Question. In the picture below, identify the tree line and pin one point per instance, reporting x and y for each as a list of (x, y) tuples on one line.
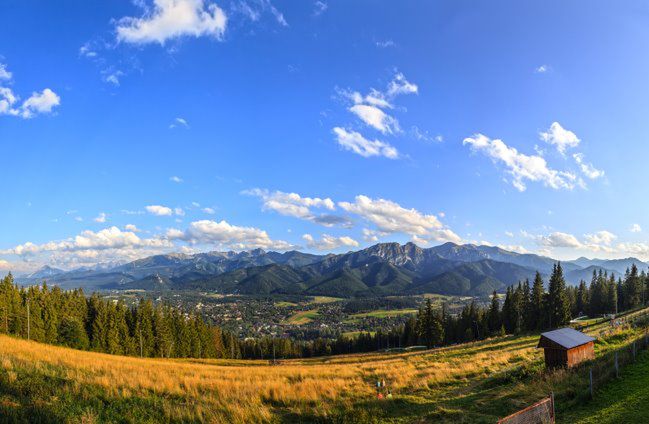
[(69, 318), (528, 307), (72, 319)]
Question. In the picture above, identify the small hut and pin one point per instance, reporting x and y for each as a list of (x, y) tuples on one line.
[(566, 347)]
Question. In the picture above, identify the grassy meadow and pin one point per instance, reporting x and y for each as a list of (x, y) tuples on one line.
[(475, 382)]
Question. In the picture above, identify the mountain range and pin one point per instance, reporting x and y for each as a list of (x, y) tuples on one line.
[(382, 269)]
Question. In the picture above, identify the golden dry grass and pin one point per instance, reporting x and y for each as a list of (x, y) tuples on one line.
[(254, 391)]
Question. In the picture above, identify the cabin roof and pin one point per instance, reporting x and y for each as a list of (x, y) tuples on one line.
[(566, 338)]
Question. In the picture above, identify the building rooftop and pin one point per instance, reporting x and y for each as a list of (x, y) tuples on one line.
[(566, 337)]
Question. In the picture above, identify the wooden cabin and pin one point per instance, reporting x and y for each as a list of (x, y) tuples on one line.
[(566, 347)]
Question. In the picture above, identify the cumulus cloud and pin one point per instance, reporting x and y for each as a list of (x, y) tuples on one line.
[(42, 102), (559, 137), (101, 218), (520, 166), (222, 234), (292, 204), (635, 228), (601, 237), (389, 217), (132, 228), (587, 168), (370, 108), (355, 142), (159, 210), (209, 211), (4, 72), (600, 241), (176, 179), (559, 239), (542, 69), (109, 238), (376, 118), (169, 19), (400, 85), (328, 242)]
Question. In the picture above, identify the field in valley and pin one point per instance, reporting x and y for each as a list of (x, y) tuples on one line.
[(476, 382)]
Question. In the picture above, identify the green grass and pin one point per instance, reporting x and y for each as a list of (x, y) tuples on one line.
[(302, 317), (381, 313), (623, 400), (324, 299), (284, 304)]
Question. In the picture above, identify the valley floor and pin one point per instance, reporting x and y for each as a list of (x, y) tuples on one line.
[(476, 382)]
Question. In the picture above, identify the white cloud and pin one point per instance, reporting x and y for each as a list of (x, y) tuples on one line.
[(176, 179), (159, 210), (5, 265), (559, 239), (112, 76), (600, 241), (254, 9), (601, 237), (376, 118), (222, 234), (179, 122), (587, 168), (179, 211), (635, 228), (542, 69), (4, 72), (132, 228), (371, 110), (101, 218), (109, 238), (520, 166), (509, 234), (42, 102), (168, 19), (328, 242), (355, 142), (639, 249), (319, 7), (389, 217), (400, 85), (292, 204), (559, 137), (209, 211), (514, 248), (386, 43)]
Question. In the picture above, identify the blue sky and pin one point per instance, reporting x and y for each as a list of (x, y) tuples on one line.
[(130, 128)]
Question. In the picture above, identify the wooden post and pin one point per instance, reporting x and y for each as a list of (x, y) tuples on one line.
[(552, 400), (617, 366), (591, 383), (28, 323)]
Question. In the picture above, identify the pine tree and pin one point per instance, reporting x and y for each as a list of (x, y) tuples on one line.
[(582, 299), (494, 314), (558, 302), (536, 309)]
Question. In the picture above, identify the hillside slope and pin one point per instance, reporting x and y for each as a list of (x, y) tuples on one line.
[(476, 382)]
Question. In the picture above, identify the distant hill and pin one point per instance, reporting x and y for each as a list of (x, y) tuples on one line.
[(381, 269), (619, 266)]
